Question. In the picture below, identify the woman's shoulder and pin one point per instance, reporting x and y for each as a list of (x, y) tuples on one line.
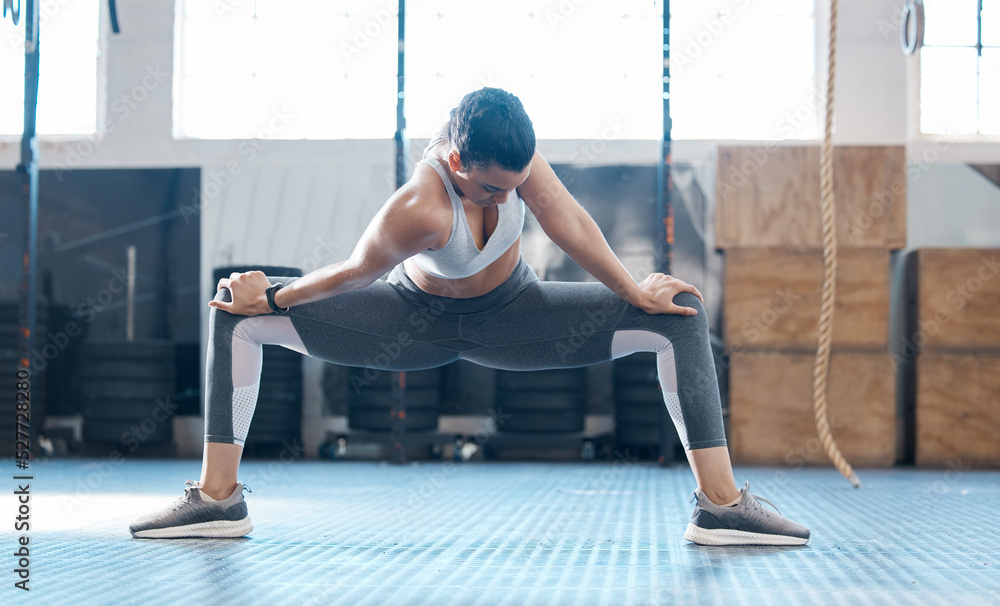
[(425, 199)]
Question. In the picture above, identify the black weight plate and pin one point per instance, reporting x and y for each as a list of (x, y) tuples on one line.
[(540, 422), (281, 375), (638, 393), (378, 420), (561, 379), (97, 389), (509, 401), (283, 363), (635, 435), (119, 431), (124, 409), (279, 393), (128, 350), (125, 370), (416, 399), (362, 378), (637, 415), (636, 373)]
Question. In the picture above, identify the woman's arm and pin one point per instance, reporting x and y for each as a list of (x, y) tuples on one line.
[(402, 228), (573, 230)]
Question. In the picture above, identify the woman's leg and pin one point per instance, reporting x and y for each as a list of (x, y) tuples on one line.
[(713, 471), (565, 324), (375, 327), (221, 460), (342, 331), (711, 465)]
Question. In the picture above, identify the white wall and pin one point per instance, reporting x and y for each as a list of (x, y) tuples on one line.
[(936, 193)]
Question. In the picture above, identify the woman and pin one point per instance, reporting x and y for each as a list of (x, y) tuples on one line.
[(459, 289)]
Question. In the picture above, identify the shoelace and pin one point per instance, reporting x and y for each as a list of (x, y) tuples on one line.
[(755, 500), (181, 500), (756, 504), (190, 485)]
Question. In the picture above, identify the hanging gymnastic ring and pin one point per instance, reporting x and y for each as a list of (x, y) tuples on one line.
[(914, 8), (14, 14)]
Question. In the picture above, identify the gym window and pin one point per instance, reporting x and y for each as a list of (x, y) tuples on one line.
[(744, 69), (240, 61), (574, 84), (960, 67), (285, 69), (67, 83)]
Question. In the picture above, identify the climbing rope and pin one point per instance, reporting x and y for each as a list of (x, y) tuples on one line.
[(822, 367)]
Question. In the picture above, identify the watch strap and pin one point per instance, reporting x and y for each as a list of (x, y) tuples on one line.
[(269, 294)]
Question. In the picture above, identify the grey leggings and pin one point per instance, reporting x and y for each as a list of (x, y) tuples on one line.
[(523, 324)]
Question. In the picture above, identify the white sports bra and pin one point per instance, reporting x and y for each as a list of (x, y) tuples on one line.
[(460, 258)]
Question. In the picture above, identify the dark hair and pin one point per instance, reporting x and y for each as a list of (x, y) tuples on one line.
[(491, 127)]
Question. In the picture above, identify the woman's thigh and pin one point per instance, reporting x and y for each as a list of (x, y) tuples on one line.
[(566, 324), (375, 327)]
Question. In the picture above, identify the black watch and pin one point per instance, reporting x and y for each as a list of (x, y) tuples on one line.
[(269, 293)]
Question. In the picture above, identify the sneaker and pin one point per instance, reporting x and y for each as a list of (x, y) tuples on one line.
[(748, 523), (192, 516)]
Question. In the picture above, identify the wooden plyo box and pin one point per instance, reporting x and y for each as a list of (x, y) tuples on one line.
[(769, 195), (771, 409), (773, 297), (956, 297), (958, 410)]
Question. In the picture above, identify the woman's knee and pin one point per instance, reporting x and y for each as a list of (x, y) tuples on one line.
[(224, 295), (686, 299), (696, 323), (219, 319)]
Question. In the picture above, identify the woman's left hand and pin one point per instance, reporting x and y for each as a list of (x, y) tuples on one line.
[(247, 291), (657, 292)]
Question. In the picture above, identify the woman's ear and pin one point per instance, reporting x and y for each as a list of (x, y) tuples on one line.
[(455, 161)]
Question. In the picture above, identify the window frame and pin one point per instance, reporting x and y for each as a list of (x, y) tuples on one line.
[(970, 147), (101, 89), (177, 131), (821, 27)]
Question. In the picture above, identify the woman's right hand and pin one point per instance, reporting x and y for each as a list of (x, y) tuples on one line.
[(247, 291), (657, 294)]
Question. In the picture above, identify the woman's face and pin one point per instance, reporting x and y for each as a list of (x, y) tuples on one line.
[(491, 187)]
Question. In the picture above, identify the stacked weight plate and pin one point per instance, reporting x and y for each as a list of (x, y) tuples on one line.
[(278, 416), (638, 405), (541, 400), (127, 388), (370, 394)]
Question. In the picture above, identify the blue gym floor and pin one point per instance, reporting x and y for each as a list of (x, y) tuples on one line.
[(503, 533)]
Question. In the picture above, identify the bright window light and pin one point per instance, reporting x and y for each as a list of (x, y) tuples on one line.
[(67, 80), (989, 91), (744, 70), (286, 69), (960, 68), (584, 70), (948, 90), (991, 22), (950, 22)]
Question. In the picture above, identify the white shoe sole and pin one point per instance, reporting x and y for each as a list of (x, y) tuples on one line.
[(722, 536), (207, 530)]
